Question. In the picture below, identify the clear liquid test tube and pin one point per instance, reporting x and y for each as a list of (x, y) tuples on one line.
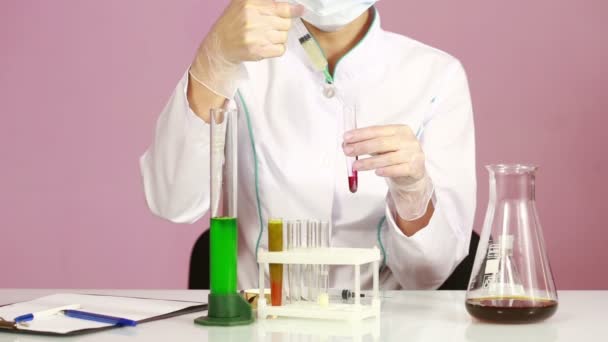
[(312, 271), (294, 279), (304, 271), (324, 242)]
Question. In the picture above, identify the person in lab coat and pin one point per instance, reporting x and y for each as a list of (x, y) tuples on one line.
[(415, 141)]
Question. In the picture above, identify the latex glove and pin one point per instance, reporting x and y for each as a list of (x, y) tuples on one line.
[(248, 30), (395, 153)]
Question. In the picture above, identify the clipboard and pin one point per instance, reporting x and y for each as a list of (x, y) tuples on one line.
[(157, 309)]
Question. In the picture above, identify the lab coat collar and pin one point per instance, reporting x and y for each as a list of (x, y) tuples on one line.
[(360, 59), (354, 63)]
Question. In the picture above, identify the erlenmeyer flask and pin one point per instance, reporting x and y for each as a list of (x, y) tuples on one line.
[(511, 279)]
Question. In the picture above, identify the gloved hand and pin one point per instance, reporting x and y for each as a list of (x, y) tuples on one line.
[(248, 30), (396, 155)]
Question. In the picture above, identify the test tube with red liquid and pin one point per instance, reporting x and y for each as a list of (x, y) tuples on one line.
[(275, 244), (350, 123)]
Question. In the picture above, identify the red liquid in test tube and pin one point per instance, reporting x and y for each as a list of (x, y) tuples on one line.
[(350, 123), (353, 180)]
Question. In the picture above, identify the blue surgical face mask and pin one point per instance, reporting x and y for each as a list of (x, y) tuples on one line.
[(332, 15)]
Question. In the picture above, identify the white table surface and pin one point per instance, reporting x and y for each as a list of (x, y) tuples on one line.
[(406, 316)]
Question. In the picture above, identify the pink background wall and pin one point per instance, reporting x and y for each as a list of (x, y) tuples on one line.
[(82, 83)]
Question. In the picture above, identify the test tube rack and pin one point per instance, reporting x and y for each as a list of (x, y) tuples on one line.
[(323, 256), (322, 330)]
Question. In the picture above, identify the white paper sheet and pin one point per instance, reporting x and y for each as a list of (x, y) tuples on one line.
[(131, 308)]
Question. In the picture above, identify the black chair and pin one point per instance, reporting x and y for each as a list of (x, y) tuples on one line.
[(198, 278), (199, 266), (459, 279)]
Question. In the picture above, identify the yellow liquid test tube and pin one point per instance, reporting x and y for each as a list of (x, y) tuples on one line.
[(275, 244)]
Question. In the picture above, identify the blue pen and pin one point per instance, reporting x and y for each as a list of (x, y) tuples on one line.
[(46, 313), (89, 316)]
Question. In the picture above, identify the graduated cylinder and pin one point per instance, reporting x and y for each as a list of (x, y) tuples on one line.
[(223, 244), (226, 306)]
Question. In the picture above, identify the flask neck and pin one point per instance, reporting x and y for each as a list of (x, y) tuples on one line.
[(520, 186)]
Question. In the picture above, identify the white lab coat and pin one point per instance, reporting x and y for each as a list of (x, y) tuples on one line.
[(297, 134)]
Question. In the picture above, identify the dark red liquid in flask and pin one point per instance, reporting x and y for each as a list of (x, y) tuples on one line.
[(511, 310), (353, 180)]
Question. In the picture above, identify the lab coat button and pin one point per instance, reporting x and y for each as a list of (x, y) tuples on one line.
[(329, 91)]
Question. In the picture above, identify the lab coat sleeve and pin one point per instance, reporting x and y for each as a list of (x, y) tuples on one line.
[(427, 258), (175, 168)]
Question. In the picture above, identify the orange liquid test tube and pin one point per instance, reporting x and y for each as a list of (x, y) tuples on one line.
[(275, 244)]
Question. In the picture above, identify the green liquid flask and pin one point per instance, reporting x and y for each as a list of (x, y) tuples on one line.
[(226, 306)]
